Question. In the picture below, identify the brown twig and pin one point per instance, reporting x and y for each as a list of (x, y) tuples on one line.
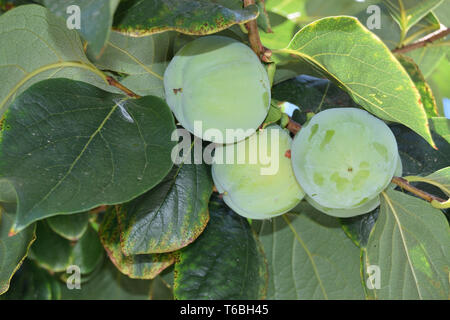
[(422, 43), (293, 127), (404, 184), (253, 36), (113, 82)]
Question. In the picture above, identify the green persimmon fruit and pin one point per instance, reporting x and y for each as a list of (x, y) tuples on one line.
[(219, 83), (356, 211), (344, 157), (255, 175)]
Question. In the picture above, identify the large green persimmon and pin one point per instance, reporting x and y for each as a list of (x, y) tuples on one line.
[(255, 175), (343, 158), (217, 83)]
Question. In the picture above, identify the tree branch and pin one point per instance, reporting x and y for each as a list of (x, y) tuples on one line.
[(113, 82), (424, 42), (262, 52), (404, 184)]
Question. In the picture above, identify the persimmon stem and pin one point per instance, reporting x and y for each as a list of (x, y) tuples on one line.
[(424, 42), (262, 52), (113, 82), (293, 126), (404, 184)]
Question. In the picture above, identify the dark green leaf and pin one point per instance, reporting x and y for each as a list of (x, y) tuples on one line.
[(225, 262), (68, 147), (409, 244), (36, 45), (186, 16), (50, 251), (311, 94), (418, 158), (362, 69), (87, 253), (143, 266), (141, 60), (171, 215), (109, 284), (33, 283), (358, 228), (263, 18), (95, 19), (13, 250), (310, 257), (441, 126), (428, 101), (71, 227)]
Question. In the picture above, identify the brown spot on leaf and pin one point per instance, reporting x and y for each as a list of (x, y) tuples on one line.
[(178, 90), (287, 154)]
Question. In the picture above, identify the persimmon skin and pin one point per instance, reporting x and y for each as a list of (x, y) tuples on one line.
[(344, 158), (245, 189), (221, 83)]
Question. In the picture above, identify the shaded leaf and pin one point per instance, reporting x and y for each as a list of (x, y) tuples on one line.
[(409, 244), (358, 228), (407, 13), (440, 179), (171, 215), (143, 266), (87, 253), (310, 257), (427, 98), (263, 18), (96, 19), (33, 283), (428, 57), (68, 147), (109, 284), (37, 45), (311, 94), (225, 262), (198, 17), (13, 250), (71, 227), (366, 70), (441, 126), (50, 251), (418, 158), (142, 60)]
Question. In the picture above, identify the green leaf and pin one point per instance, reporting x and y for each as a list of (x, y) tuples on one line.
[(358, 228), (71, 227), (312, 94), (37, 45), (409, 244), (33, 283), (427, 98), (273, 116), (263, 19), (96, 19), (366, 70), (171, 215), (440, 179), (225, 262), (160, 291), (428, 57), (408, 12), (283, 30), (441, 126), (109, 284), (85, 148), (50, 251), (198, 17), (142, 60), (310, 257), (143, 266), (87, 252), (13, 250), (439, 81), (418, 158)]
